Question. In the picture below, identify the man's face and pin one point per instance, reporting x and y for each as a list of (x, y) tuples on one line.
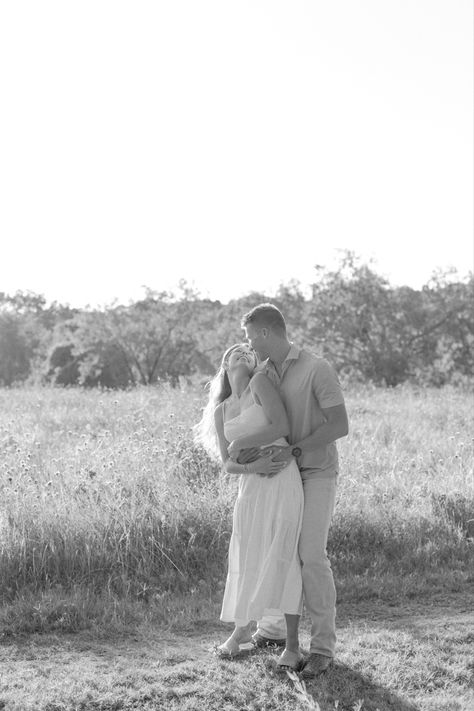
[(257, 340)]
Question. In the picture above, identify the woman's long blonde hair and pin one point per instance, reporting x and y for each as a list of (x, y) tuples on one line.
[(219, 390)]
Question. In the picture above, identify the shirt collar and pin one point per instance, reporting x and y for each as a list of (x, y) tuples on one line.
[(293, 354)]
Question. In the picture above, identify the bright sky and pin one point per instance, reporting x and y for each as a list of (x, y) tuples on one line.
[(234, 144)]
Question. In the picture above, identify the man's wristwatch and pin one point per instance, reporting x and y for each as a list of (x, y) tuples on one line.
[(296, 452)]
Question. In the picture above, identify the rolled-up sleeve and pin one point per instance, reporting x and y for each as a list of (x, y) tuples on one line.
[(326, 386)]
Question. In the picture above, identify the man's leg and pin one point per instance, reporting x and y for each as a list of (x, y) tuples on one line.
[(271, 627), (318, 583)]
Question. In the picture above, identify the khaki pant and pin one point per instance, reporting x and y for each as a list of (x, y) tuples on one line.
[(318, 583)]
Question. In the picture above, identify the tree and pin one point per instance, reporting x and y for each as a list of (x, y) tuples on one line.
[(446, 348), (147, 341), (388, 335), (353, 321), (15, 352), (367, 328)]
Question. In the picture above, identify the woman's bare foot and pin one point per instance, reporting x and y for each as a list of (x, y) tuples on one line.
[(290, 661), (231, 646)]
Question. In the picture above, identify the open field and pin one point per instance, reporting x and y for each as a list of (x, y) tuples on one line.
[(114, 530), (106, 492)]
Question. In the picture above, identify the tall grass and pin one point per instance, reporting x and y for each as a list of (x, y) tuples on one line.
[(406, 503), (106, 492)]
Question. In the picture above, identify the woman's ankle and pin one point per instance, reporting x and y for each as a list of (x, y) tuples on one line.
[(242, 633)]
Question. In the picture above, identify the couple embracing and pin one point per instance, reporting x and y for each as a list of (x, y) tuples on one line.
[(274, 412)]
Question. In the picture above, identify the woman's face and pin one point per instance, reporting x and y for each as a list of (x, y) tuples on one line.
[(242, 356)]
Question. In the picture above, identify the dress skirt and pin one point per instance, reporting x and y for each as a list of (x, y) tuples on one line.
[(264, 570)]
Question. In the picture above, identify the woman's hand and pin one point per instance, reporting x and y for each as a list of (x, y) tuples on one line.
[(233, 449)]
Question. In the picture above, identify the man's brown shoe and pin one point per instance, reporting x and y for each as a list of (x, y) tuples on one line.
[(260, 641), (316, 664)]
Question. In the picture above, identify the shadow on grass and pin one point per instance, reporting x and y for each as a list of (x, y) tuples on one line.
[(346, 689), (341, 688)]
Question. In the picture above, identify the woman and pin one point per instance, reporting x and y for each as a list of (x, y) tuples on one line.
[(264, 572)]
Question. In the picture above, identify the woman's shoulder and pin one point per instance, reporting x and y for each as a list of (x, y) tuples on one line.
[(258, 376), (260, 380)]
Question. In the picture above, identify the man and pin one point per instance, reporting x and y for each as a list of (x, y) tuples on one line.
[(314, 402)]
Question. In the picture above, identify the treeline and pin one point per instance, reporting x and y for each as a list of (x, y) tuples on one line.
[(369, 330)]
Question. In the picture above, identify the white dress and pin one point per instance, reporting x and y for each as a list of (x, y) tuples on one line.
[(264, 573)]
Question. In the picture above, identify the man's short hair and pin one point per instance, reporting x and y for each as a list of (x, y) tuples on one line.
[(265, 316)]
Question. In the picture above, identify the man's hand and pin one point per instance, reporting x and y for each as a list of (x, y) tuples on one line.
[(269, 467), (281, 454), (278, 452), (278, 455), (249, 455)]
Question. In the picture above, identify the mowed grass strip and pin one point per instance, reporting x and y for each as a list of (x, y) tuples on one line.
[(415, 657)]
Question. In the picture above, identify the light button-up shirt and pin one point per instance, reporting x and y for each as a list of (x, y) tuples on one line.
[(307, 385)]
